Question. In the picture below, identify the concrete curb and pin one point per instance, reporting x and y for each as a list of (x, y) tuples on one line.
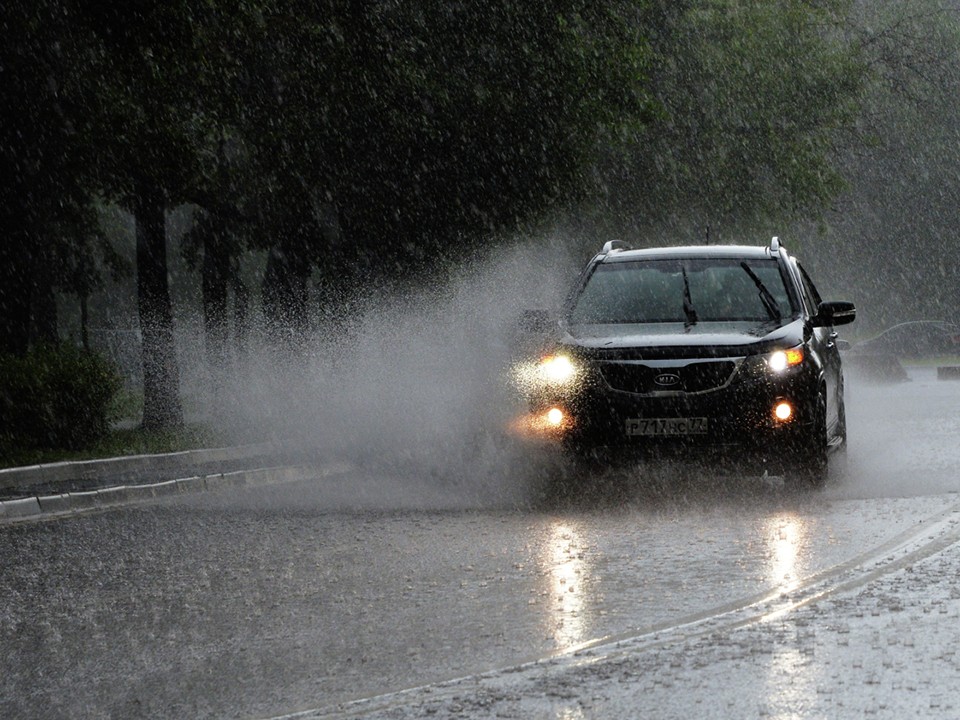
[(18, 509), (76, 503), (60, 472)]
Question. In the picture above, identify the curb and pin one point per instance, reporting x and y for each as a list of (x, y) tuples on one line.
[(77, 503), (72, 470)]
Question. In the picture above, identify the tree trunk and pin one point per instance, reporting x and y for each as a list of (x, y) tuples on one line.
[(85, 320), (241, 326), (45, 326), (161, 382), (285, 297), (215, 274), (15, 295), (83, 294)]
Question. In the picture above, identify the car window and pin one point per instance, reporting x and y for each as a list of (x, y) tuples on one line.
[(809, 289), (653, 291)]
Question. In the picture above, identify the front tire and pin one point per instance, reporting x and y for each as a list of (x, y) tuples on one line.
[(842, 414), (810, 465)]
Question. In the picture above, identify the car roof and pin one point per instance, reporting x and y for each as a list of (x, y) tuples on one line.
[(689, 251)]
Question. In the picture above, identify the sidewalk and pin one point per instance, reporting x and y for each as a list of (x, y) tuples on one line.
[(27, 493)]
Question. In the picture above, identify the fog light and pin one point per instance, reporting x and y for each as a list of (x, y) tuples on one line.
[(783, 411), (555, 417)]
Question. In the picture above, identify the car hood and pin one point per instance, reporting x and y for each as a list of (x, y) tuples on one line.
[(704, 339)]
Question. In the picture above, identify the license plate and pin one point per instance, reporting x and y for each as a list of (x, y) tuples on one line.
[(667, 426)]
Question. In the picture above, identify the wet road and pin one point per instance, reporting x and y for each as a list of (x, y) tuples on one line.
[(285, 598)]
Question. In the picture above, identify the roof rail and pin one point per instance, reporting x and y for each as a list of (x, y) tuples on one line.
[(774, 245), (612, 245)]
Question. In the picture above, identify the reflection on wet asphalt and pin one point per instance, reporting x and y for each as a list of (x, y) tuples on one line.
[(275, 599)]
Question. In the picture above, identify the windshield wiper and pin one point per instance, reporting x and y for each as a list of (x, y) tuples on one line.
[(688, 309), (768, 300)]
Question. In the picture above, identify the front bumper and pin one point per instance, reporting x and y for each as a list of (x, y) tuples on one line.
[(738, 415)]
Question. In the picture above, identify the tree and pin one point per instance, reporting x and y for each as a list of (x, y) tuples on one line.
[(503, 105), (155, 125), (891, 235), (386, 137), (754, 97), (48, 191)]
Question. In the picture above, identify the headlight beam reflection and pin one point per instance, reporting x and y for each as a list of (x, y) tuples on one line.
[(566, 573)]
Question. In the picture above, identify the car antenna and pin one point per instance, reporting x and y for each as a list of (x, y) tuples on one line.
[(707, 234)]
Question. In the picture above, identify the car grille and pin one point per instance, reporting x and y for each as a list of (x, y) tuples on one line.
[(643, 379)]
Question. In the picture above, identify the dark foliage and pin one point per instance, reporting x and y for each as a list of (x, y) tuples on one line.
[(55, 397)]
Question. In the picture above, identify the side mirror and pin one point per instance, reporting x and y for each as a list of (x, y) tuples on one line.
[(835, 313)]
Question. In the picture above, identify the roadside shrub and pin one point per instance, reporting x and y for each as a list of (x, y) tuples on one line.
[(55, 397)]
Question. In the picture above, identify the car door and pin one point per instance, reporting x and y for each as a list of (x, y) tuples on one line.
[(825, 340)]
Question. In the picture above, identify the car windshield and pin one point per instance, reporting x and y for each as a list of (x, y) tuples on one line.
[(688, 290)]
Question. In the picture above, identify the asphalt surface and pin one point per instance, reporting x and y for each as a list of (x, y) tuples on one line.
[(874, 637), (332, 594), (260, 602)]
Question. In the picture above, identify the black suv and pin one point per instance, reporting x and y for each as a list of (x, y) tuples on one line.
[(692, 348)]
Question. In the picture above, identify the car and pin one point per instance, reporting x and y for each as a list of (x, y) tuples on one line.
[(915, 340), (727, 351)]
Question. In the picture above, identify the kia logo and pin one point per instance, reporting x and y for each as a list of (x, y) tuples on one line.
[(667, 379)]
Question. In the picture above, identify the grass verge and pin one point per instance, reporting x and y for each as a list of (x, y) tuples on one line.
[(119, 442)]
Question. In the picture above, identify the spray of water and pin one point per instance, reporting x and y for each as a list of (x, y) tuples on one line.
[(415, 385)]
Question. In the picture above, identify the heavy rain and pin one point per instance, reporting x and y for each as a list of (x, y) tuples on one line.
[(275, 284)]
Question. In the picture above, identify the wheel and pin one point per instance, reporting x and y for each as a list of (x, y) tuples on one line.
[(810, 464), (838, 443), (842, 415)]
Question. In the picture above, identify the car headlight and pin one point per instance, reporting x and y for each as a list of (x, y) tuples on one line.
[(772, 364), (557, 370), (551, 373), (781, 360)]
